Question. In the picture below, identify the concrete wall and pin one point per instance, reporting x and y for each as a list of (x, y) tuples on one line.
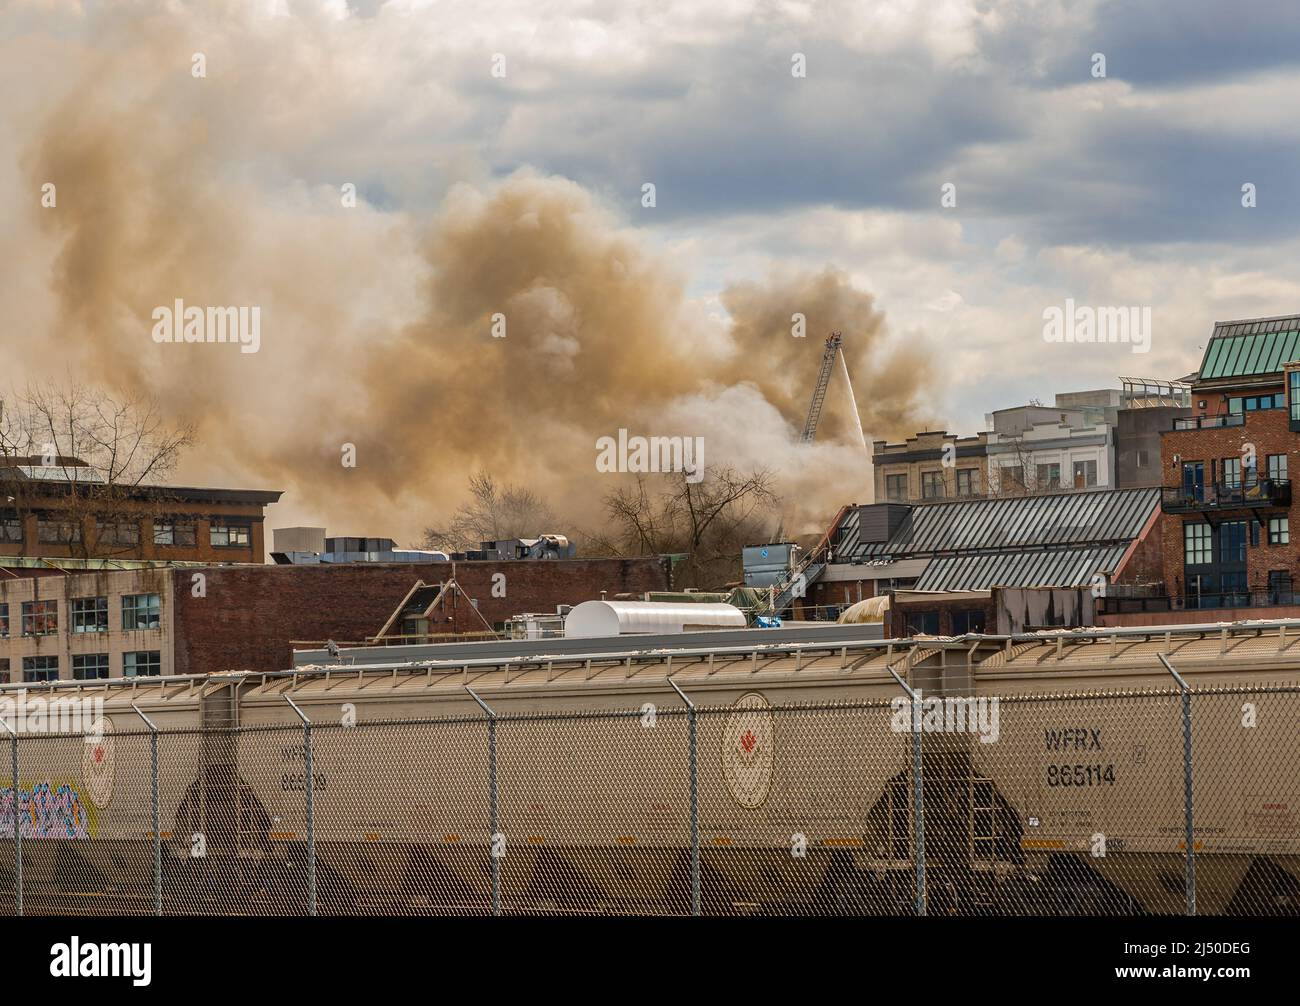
[(1137, 439)]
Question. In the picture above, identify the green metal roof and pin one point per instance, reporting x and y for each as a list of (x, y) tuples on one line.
[(1251, 347)]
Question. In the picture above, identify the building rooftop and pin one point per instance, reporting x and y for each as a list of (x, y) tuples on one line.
[(1059, 539), (1251, 347)]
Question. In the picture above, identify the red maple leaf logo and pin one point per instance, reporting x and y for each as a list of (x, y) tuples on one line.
[(747, 741)]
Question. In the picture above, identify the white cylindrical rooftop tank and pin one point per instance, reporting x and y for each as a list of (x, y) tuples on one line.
[(620, 618)]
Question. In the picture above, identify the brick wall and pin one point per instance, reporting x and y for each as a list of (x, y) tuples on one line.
[(250, 614), (1269, 433), (1146, 563), (1192, 616), (201, 551)]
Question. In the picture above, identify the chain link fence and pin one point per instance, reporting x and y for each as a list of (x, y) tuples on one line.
[(1078, 804)]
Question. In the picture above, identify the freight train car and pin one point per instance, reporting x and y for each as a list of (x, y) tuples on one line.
[(803, 760), (1096, 785), (593, 776), (85, 788)]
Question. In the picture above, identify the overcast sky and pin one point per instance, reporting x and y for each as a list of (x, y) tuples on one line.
[(1122, 190), (1117, 190)]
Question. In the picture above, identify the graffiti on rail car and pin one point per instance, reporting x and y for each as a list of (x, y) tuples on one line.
[(47, 810)]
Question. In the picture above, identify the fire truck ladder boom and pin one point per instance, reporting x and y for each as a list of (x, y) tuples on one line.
[(819, 391)]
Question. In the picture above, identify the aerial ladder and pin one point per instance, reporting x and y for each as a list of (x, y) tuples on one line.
[(819, 390)]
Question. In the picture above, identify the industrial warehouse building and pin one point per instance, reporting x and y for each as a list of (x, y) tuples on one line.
[(957, 552), (196, 620)]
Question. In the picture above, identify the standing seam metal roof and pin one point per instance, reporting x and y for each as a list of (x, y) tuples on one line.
[(1109, 516), (1069, 567)]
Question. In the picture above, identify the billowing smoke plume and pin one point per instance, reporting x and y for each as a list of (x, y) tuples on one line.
[(377, 326)]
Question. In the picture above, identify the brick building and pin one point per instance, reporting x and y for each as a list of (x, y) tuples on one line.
[(64, 510), (1228, 500), (114, 623)]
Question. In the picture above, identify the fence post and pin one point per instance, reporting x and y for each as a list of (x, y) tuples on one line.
[(18, 831), (693, 765), (494, 833), (311, 806), (157, 835), (1188, 818), (918, 791)]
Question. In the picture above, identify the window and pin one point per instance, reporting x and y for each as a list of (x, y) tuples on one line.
[(967, 621), (11, 530), (931, 485), (1048, 476), (1293, 386), (1277, 467), (924, 623), (117, 532), (1141, 459), (967, 482), (1013, 477), (40, 618), (142, 663), (90, 614), (4, 621), (1232, 541), (226, 534), (1233, 592), (1279, 587), (4, 670), (1232, 473), (896, 487), (1279, 530), (1255, 403), (1085, 474), (1194, 480), (86, 666), (141, 611), (180, 533), (1196, 544), (57, 532), (40, 668)]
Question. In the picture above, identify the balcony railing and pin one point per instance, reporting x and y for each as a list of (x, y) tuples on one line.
[(1279, 598), (1209, 422), (1248, 493)]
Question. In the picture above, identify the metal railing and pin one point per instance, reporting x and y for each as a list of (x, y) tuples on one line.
[(1265, 492), (1175, 800), (1209, 422), (1208, 600)]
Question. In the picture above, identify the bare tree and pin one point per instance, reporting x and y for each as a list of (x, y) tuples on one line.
[(88, 463), (492, 512), (710, 521), (1016, 454)]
